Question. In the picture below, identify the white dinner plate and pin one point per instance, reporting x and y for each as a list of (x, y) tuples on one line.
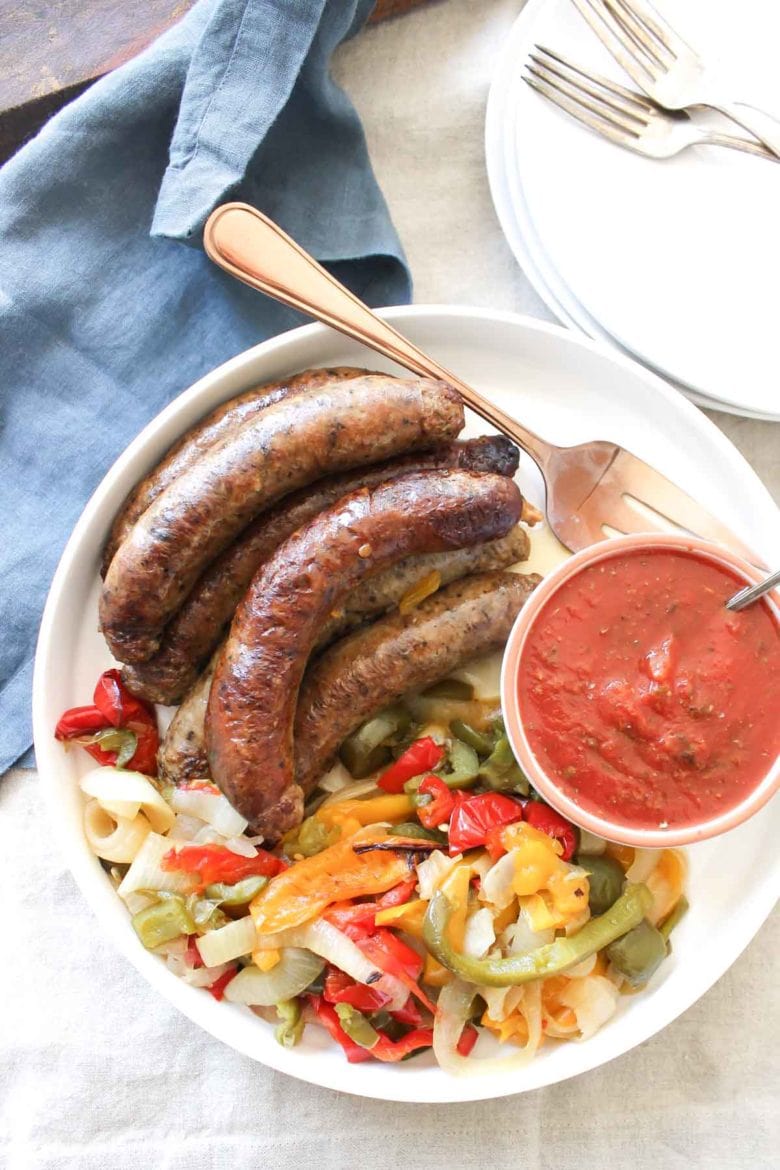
[(570, 390), (671, 261)]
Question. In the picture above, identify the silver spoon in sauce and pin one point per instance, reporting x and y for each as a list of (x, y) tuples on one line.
[(751, 593)]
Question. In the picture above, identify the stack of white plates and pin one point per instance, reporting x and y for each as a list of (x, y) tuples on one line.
[(676, 263)]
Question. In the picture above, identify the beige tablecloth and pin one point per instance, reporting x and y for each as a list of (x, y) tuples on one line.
[(98, 1071)]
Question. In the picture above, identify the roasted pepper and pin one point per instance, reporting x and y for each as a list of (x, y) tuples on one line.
[(551, 959)]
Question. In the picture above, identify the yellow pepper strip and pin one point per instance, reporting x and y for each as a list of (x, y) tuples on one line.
[(540, 914), (665, 883), (265, 960), (392, 809), (434, 974), (408, 917), (506, 917), (623, 854), (456, 887), (513, 1029), (337, 873)]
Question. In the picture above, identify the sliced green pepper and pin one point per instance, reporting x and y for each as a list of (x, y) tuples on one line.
[(363, 751), (463, 764), (605, 879), (205, 913), (356, 1025), (500, 771), (638, 954), (550, 959), (290, 1029), (450, 688), (311, 837), (412, 829), (236, 895), (468, 734), (163, 922), (674, 917)]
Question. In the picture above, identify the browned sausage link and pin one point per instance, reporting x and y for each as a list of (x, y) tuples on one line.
[(387, 589), (253, 697), (210, 430), (373, 667), (288, 445), (182, 755), (195, 630)]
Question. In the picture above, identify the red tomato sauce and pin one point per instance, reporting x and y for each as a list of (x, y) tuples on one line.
[(645, 699)]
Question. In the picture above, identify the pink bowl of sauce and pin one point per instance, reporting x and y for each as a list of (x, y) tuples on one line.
[(636, 703)]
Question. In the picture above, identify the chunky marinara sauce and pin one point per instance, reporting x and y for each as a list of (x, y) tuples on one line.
[(644, 698)]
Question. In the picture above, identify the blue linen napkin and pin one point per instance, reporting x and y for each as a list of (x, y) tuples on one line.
[(105, 315)]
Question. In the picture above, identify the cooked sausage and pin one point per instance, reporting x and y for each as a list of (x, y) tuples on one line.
[(375, 666), (253, 696), (195, 630), (210, 430), (386, 589), (182, 755), (286, 446)]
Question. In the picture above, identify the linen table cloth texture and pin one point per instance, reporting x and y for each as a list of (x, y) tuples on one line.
[(104, 315)]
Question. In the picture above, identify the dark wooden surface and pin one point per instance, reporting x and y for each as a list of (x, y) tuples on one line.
[(51, 50)]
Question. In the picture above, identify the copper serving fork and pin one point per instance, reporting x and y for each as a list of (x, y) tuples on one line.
[(589, 487)]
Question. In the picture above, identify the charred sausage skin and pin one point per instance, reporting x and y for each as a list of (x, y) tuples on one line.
[(365, 671), (249, 719), (288, 445), (211, 430), (194, 632)]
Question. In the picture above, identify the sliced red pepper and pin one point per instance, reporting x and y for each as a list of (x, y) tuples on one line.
[(326, 1014), (115, 706), (217, 988), (79, 721), (395, 957), (398, 895), (442, 804), (547, 820), (217, 863), (423, 755), (199, 786), (342, 988), (493, 843), (357, 919), (468, 1039), (408, 1014), (474, 818), (391, 1051)]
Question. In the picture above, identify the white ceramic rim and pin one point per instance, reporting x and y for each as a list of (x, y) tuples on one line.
[(529, 762), (100, 895)]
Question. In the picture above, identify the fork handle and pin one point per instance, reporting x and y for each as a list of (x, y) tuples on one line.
[(251, 247), (758, 123)]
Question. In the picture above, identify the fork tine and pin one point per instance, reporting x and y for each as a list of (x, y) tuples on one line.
[(578, 111), (610, 108), (613, 36), (641, 32), (656, 23), (654, 491), (626, 100)]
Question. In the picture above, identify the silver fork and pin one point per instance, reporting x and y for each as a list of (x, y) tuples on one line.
[(621, 115), (665, 66)]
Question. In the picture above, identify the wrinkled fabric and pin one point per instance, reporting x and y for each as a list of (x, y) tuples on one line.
[(108, 305)]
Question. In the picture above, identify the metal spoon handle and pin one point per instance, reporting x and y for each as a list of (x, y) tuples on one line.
[(254, 249), (751, 593)]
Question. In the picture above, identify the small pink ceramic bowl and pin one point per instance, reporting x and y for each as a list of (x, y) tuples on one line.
[(539, 778)]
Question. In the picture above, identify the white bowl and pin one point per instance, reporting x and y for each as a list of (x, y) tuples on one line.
[(568, 389)]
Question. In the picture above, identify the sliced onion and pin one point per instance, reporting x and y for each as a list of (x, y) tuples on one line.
[(645, 861), (332, 944), (113, 837), (593, 1000), (205, 976), (185, 828), (519, 938), (124, 794), (211, 807), (351, 791), (591, 844), (229, 942), (479, 934), (292, 974), (241, 846), (432, 872), (452, 1014), (583, 969), (335, 778), (496, 886), (146, 872)]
